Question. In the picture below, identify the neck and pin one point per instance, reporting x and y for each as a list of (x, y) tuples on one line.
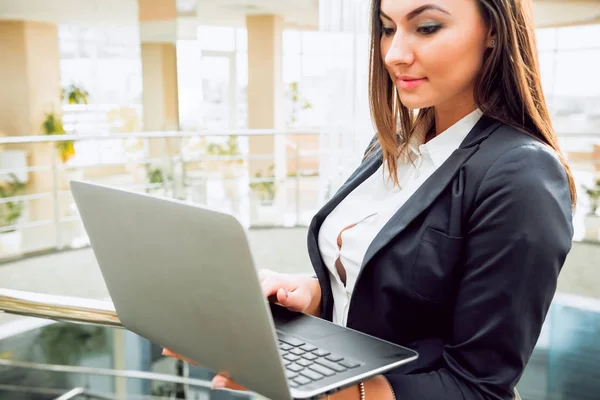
[(446, 116)]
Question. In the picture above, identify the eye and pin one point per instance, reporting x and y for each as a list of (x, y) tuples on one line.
[(429, 29), (387, 31)]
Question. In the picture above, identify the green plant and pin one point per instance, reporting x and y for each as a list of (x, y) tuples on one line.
[(298, 102), (594, 196), (265, 188), (73, 94), (53, 125), (11, 211), (67, 344), (229, 148), (156, 175)]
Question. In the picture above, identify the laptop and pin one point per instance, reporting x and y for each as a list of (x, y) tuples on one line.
[(182, 276)]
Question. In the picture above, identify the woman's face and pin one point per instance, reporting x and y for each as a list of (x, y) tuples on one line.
[(433, 50)]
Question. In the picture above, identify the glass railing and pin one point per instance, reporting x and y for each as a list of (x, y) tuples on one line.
[(87, 348), (281, 182), (565, 363)]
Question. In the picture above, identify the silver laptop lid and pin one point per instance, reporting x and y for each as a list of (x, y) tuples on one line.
[(182, 276)]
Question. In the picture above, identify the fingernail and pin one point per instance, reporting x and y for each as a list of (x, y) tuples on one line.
[(218, 383)]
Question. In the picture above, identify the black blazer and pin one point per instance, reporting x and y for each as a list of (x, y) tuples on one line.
[(465, 271)]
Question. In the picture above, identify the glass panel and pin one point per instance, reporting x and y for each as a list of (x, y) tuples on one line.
[(577, 73), (292, 42), (546, 39), (215, 92), (579, 37), (216, 38), (292, 67), (547, 71), (60, 344), (242, 90), (189, 83), (241, 40)]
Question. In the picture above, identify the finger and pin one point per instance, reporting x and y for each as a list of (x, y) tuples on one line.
[(264, 274), (293, 300), (270, 286), (169, 353), (222, 382)]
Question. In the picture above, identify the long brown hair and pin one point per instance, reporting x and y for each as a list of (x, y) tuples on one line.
[(508, 87)]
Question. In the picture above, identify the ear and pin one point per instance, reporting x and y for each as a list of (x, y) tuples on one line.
[(491, 38)]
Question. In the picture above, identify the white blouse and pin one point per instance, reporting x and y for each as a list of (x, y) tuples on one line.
[(364, 212)]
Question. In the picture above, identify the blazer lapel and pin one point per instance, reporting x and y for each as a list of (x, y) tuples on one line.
[(431, 188), (369, 167)]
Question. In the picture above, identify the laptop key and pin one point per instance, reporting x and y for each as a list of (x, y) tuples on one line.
[(291, 341), (291, 374), (302, 380), (291, 357), (297, 351), (295, 367), (322, 370), (308, 347), (285, 346), (304, 362), (309, 356), (334, 358), (349, 364), (315, 376), (320, 352), (331, 365)]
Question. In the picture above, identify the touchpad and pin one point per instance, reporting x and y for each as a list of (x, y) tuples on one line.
[(300, 324)]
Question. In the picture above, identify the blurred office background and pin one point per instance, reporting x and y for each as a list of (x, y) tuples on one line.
[(258, 107)]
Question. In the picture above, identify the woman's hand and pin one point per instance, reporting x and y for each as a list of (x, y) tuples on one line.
[(294, 292)]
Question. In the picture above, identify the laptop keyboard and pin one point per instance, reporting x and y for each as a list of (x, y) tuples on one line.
[(306, 363)]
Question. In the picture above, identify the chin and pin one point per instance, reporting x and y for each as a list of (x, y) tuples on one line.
[(415, 102)]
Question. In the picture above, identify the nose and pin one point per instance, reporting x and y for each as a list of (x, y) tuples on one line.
[(400, 52)]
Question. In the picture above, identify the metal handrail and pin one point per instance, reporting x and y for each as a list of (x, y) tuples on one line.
[(89, 394), (155, 134), (71, 394), (153, 376), (59, 308)]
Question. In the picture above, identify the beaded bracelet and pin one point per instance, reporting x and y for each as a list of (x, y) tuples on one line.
[(363, 395)]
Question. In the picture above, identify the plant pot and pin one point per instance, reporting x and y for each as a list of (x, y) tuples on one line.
[(592, 227), (10, 243)]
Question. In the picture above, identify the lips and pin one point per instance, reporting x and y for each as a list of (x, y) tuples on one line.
[(408, 83)]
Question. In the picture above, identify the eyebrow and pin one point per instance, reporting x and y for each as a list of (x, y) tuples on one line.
[(417, 11)]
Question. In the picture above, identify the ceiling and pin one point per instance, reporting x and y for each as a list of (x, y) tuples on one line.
[(296, 13), (549, 13)]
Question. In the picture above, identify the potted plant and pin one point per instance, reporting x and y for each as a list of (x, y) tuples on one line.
[(265, 187), (298, 103), (592, 219), (53, 125), (73, 94), (227, 167), (264, 211), (10, 214), (157, 177)]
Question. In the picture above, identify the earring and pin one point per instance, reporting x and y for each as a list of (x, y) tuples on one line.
[(493, 42)]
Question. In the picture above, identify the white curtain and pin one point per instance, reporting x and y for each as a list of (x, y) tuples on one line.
[(348, 129)]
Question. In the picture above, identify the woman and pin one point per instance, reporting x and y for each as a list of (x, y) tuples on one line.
[(450, 235)]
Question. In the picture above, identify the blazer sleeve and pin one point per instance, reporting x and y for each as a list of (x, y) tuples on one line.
[(517, 238)]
